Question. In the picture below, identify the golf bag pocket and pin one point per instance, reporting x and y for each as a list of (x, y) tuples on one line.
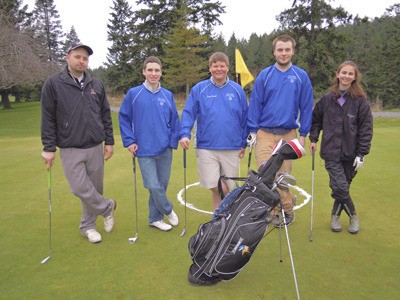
[(246, 229), (224, 245)]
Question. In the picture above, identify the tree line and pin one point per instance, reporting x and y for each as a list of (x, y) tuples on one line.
[(181, 33)]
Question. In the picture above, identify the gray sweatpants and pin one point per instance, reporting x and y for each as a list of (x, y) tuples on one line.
[(84, 170)]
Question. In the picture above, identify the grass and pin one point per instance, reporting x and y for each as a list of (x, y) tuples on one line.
[(333, 266)]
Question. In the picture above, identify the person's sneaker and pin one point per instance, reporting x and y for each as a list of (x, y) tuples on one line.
[(335, 224), (109, 221), (161, 225), (289, 217), (354, 226), (93, 236), (278, 222), (173, 219)]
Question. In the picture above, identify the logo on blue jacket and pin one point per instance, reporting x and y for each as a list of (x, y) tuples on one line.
[(230, 96)]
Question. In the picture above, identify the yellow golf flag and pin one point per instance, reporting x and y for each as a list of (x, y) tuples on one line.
[(241, 68)]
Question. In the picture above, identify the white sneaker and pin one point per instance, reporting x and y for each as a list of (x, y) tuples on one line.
[(161, 225), (173, 219), (109, 221), (93, 236)]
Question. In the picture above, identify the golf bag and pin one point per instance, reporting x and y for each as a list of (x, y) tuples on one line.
[(223, 246)]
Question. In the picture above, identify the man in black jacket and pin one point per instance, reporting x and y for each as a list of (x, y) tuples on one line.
[(76, 118)]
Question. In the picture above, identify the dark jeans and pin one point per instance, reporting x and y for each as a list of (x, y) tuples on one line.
[(341, 174)]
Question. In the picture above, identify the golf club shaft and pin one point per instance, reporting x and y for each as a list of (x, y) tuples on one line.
[(184, 183), (290, 254), (135, 191), (312, 194), (49, 208)]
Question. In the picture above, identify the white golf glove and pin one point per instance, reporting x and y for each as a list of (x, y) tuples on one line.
[(358, 163), (251, 140)]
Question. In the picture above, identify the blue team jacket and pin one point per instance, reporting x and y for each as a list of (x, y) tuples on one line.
[(220, 113), (150, 120)]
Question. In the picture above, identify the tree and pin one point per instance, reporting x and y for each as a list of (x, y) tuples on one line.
[(157, 18), (319, 45), (48, 29), (20, 57), (17, 15), (120, 73), (182, 56), (70, 38)]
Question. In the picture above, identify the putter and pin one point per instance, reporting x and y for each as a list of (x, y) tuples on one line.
[(133, 240), (312, 195), (184, 183), (49, 200)]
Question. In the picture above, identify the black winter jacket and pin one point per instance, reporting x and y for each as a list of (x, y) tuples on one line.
[(73, 117), (347, 130)]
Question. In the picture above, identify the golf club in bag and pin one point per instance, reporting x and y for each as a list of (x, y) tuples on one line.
[(184, 184), (49, 205), (223, 246), (132, 240)]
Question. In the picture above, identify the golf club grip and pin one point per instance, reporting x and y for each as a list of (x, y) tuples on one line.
[(184, 158), (249, 161), (49, 178), (313, 158), (134, 164)]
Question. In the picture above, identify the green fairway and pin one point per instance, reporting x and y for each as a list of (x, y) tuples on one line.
[(333, 266)]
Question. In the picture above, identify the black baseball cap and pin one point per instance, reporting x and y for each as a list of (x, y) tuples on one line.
[(79, 45)]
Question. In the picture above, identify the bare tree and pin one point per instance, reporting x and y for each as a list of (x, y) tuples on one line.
[(20, 57)]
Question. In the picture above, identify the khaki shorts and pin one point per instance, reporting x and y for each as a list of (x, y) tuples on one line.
[(265, 145), (211, 164)]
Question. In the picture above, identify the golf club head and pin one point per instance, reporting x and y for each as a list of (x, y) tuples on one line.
[(183, 231), (45, 260), (286, 179), (283, 186), (133, 239)]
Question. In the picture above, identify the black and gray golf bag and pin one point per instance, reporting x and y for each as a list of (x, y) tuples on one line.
[(224, 245)]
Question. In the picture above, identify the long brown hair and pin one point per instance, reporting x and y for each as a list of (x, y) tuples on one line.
[(355, 89)]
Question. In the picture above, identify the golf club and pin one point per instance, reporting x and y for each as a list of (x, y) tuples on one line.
[(49, 200), (133, 240), (184, 183), (249, 161), (290, 252), (312, 194)]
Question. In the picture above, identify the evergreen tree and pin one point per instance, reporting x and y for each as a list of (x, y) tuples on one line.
[(319, 45), (184, 65), (157, 18), (120, 59), (48, 29), (70, 38), (17, 14)]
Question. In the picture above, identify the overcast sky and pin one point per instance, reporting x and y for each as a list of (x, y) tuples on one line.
[(90, 17)]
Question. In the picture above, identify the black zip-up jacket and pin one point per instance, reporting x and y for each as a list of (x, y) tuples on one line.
[(347, 130), (73, 117)]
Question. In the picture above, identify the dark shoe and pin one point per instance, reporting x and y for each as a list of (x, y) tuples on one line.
[(289, 217), (278, 222), (354, 226), (335, 224)]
